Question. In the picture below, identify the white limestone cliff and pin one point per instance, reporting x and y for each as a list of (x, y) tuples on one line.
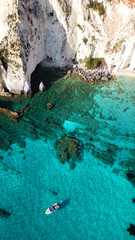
[(62, 31)]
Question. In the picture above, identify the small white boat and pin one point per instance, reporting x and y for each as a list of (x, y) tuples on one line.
[(52, 208)]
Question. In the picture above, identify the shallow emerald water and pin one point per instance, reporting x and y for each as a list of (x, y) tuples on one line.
[(95, 197)]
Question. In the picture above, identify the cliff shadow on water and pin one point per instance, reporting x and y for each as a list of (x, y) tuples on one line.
[(47, 75)]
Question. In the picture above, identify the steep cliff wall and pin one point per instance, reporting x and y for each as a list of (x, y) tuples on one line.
[(63, 31), (11, 62), (22, 44)]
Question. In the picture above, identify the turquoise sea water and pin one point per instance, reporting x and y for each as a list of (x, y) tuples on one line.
[(95, 198)]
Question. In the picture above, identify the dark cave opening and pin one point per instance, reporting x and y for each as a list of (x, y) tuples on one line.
[(47, 75)]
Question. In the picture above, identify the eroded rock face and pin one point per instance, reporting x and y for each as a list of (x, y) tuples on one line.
[(63, 32), (12, 73), (32, 36), (22, 42)]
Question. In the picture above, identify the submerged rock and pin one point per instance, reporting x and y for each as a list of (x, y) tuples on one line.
[(1, 157), (131, 177), (69, 150), (106, 156), (131, 229), (13, 114), (4, 213), (53, 192), (24, 110), (50, 106)]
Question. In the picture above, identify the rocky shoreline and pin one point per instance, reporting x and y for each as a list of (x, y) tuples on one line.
[(91, 75)]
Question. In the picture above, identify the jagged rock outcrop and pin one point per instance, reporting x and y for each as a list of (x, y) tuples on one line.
[(63, 32), (41, 87)]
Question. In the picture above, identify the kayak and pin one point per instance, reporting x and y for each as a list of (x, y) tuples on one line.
[(52, 208)]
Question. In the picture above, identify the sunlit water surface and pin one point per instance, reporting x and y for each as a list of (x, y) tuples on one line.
[(95, 198)]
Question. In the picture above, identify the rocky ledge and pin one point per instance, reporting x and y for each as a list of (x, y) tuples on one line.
[(91, 75)]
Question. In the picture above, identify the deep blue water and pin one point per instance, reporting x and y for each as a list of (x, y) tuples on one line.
[(95, 198)]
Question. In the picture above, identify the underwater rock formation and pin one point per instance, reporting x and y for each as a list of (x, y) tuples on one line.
[(69, 150), (131, 177), (50, 106), (131, 229), (14, 114), (4, 213)]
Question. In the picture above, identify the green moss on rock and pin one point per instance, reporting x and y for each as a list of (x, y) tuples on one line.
[(92, 63), (85, 40), (79, 26), (96, 6)]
